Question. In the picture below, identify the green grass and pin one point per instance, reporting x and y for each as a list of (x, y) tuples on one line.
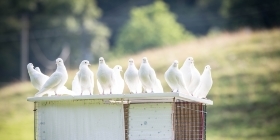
[(246, 90)]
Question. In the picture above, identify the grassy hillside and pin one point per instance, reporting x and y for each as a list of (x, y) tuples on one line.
[(246, 90)]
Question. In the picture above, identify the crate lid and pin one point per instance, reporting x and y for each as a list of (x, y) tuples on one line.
[(125, 98)]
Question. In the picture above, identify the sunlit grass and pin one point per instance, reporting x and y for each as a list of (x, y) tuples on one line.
[(246, 90)]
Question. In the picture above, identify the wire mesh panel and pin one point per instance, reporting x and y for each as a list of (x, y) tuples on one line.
[(189, 121), (79, 120)]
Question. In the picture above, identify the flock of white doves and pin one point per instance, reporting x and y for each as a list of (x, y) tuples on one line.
[(186, 80)]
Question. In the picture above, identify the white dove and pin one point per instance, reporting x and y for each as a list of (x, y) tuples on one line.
[(119, 82), (186, 70), (105, 76), (174, 78), (147, 76), (85, 77), (56, 80), (195, 78), (76, 87), (131, 78), (205, 83), (191, 74), (37, 78)]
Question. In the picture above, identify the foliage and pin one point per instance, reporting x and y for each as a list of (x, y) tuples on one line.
[(52, 25), (150, 26), (245, 71), (252, 13)]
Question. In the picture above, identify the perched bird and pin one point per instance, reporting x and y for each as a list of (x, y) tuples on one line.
[(195, 78), (174, 78), (147, 76), (85, 77), (56, 80), (105, 76), (37, 78), (205, 83), (186, 70), (131, 78), (190, 74), (119, 82)]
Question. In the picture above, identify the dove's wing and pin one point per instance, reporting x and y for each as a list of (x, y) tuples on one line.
[(121, 85), (65, 91), (153, 76), (112, 79), (99, 87), (195, 79), (186, 74), (197, 89), (53, 81), (158, 87), (76, 88), (139, 87), (180, 80), (36, 80), (91, 82), (118, 83)]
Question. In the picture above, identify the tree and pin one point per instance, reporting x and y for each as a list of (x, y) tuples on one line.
[(251, 13), (150, 26), (52, 26)]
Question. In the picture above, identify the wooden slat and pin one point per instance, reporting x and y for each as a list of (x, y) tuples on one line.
[(126, 120)]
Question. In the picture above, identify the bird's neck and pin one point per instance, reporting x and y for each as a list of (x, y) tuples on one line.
[(61, 68), (146, 64), (132, 66), (84, 68)]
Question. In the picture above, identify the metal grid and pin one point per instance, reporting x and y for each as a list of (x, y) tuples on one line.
[(189, 121)]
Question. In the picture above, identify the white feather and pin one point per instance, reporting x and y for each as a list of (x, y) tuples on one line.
[(147, 76), (131, 78), (85, 77), (205, 83), (105, 76), (174, 78), (119, 82), (56, 80)]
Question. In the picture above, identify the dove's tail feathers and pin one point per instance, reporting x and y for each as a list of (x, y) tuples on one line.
[(99, 87), (139, 87), (65, 91), (196, 91), (185, 91), (40, 93)]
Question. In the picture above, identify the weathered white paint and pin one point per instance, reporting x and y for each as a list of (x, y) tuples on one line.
[(79, 120), (150, 121), (143, 97)]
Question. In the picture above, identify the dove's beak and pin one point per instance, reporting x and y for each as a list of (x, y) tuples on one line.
[(89, 64)]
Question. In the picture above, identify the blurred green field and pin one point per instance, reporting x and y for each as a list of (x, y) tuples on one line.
[(246, 90)]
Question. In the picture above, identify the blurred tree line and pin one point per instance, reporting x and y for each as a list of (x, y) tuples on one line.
[(88, 29)]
